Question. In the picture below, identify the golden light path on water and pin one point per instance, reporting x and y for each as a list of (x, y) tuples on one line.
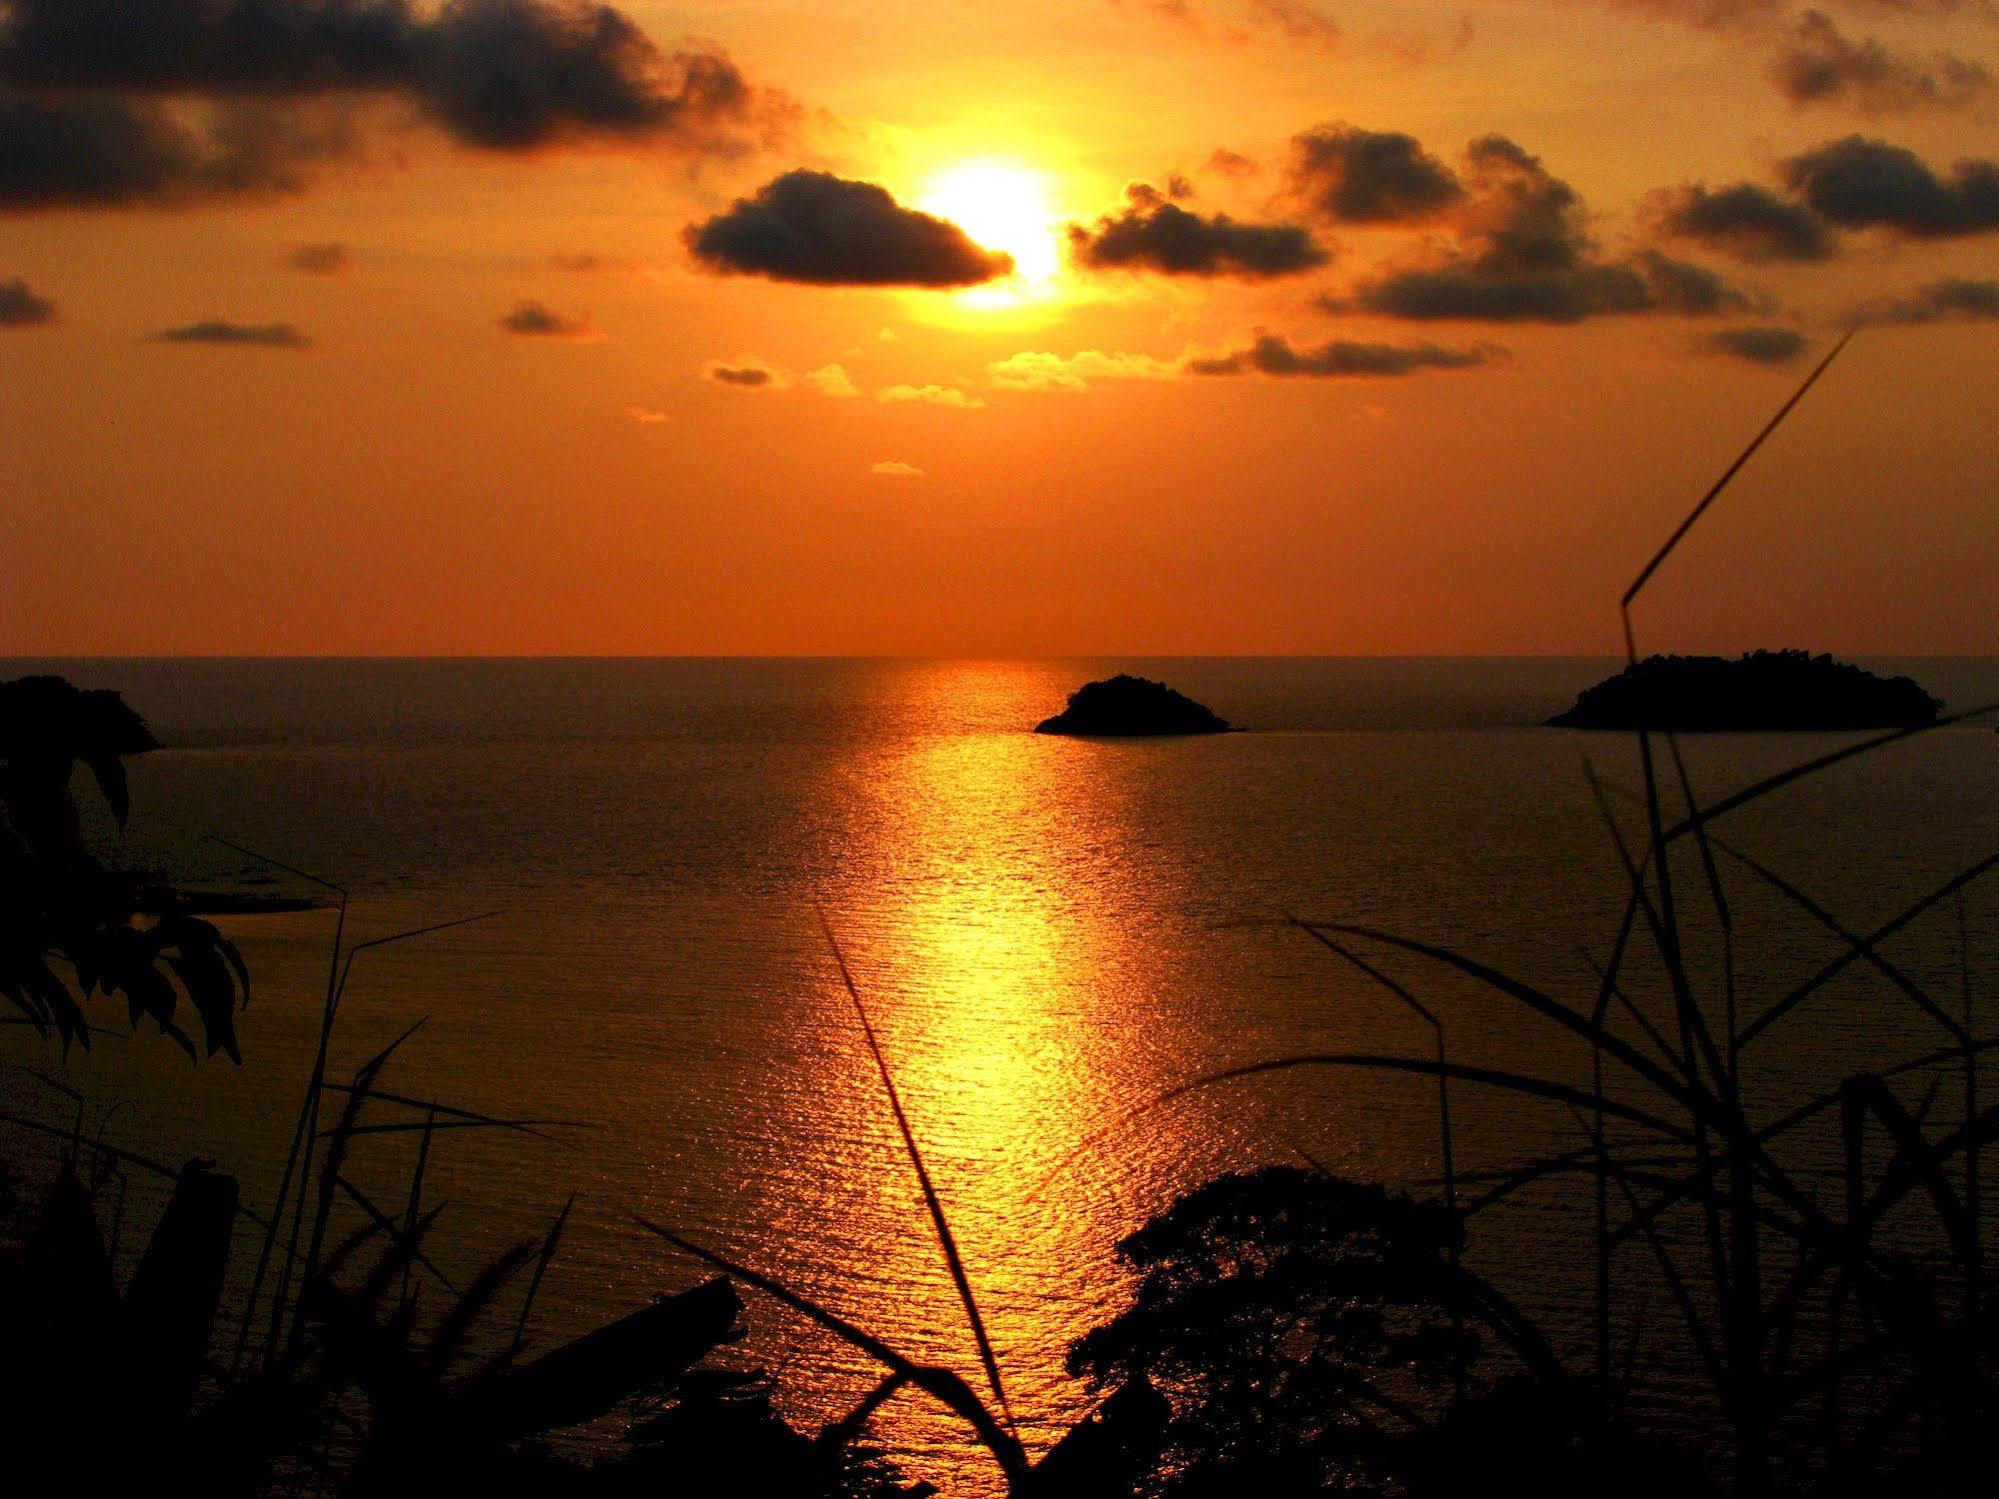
[(997, 998)]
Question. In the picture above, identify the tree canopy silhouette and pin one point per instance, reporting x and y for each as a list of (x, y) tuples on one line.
[(71, 927)]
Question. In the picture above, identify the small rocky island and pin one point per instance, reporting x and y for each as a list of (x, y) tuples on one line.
[(1130, 707), (1761, 691)]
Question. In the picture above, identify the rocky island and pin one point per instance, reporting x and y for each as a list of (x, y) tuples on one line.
[(1130, 707), (1761, 691)]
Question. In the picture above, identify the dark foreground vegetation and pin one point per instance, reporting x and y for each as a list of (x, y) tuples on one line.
[(1128, 707), (1761, 691), (1290, 1333)]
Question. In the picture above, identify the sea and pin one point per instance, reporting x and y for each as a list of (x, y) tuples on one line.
[(668, 860)]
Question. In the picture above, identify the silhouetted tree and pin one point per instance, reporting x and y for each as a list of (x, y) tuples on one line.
[(1294, 1333), (1301, 1329), (69, 926)]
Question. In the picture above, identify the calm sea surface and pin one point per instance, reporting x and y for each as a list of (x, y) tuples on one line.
[(1048, 934)]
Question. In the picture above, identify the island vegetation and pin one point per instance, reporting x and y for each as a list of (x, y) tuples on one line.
[(1131, 707), (1760, 691)]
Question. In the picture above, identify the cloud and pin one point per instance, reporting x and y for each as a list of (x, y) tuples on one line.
[(1759, 345), (586, 263), (1356, 176), (1153, 234), (319, 260), (821, 230), (645, 416), (1858, 183), (1746, 221), (895, 468), (1226, 163), (501, 75), (1817, 64), (1341, 358), (1299, 20), (1690, 290), (1075, 372), (1521, 253), (532, 319), (744, 374), (94, 152), (247, 335), (831, 380), (1708, 15), (930, 395), (514, 75), (1949, 300), (21, 307)]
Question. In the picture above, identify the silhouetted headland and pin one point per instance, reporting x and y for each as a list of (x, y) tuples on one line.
[(1125, 706), (1761, 691)]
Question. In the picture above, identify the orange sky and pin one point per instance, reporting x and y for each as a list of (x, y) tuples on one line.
[(573, 362)]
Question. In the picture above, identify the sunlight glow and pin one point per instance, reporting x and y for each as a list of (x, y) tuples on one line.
[(1003, 206)]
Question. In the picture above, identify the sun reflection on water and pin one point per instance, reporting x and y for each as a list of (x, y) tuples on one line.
[(999, 998)]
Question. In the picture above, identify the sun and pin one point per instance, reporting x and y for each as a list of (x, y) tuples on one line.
[(1002, 205)]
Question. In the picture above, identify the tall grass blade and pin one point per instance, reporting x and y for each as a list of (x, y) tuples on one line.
[(945, 1238), (942, 1385)]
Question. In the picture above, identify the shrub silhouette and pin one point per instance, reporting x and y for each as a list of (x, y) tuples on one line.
[(61, 908)]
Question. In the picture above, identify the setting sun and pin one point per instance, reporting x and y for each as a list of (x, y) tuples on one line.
[(1003, 206)]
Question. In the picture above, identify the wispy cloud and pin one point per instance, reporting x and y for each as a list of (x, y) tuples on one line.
[(830, 380), (1818, 64), (1950, 300), (1341, 358), (929, 395), (895, 468), (1758, 345), (319, 260), (1036, 371), (220, 332), (532, 319)]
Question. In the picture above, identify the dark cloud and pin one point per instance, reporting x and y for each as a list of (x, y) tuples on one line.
[(1817, 64), (532, 319), (1746, 221), (744, 375), (319, 260), (822, 230), (502, 75), (92, 152), (513, 75), (1859, 183), (246, 335), (219, 46), (20, 307), (1760, 345), (1226, 163), (1519, 219), (1154, 234), (59, 151), (1690, 290), (1521, 253), (1356, 176), (1273, 355), (1464, 293), (1949, 300)]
